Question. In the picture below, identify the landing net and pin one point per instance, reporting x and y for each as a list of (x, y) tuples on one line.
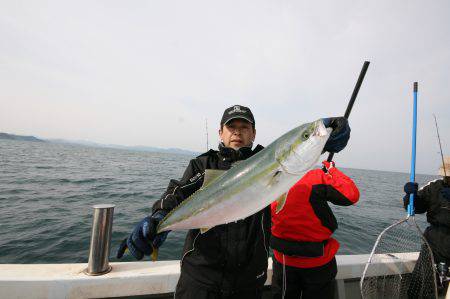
[(400, 264)]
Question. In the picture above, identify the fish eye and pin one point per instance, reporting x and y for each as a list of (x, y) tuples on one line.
[(305, 135)]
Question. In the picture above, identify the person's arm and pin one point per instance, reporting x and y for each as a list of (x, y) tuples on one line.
[(422, 201), (144, 240), (338, 188), (177, 191)]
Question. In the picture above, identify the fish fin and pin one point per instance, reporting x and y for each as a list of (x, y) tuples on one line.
[(204, 229), (280, 202), (211, 175), (154, 255), (274, 179)]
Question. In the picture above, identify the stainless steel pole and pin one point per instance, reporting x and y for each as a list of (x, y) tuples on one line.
[(100, 240)]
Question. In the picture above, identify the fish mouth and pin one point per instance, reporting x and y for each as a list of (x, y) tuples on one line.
[(320, 130)]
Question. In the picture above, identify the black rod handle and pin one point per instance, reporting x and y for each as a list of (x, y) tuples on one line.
[(353, 97)]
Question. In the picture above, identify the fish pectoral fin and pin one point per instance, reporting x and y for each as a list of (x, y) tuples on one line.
[(204, 229), (274, 179), (211, 175), (154, 255), (280, 202)]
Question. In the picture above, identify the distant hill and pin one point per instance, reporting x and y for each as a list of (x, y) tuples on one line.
[(19, 137), (94, 144), (124, 147), (163, 150)]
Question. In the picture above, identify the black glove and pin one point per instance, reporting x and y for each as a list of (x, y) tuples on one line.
[(144, 239), (409, 188), (446, 193), (340, 135)]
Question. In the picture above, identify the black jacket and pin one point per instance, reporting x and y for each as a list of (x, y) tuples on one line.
[(429, 199), (228, 257)]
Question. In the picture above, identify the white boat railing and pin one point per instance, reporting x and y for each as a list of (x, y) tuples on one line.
[(150, 278)]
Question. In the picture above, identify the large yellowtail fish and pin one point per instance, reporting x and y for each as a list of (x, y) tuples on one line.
[(252, 184)]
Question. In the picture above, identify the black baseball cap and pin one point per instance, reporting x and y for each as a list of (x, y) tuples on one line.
[(237, 111)]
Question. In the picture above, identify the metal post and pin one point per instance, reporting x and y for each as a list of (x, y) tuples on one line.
[(100, 240)]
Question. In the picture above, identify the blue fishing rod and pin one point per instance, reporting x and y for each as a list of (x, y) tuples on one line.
[(412, 176)]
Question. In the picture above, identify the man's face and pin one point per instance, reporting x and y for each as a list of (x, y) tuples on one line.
[(237, 133)]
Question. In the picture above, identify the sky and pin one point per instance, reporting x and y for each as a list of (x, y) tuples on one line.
[(153, 72)]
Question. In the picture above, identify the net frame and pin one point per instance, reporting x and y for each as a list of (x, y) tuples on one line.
[(391, 273)]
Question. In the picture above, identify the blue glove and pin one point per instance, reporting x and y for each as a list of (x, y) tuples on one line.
[(340, 135), (446, 193), (143, 240)]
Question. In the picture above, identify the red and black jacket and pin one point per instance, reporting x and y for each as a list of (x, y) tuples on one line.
[(301, 231)]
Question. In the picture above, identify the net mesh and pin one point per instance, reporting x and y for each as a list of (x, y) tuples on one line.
[(400, 265)]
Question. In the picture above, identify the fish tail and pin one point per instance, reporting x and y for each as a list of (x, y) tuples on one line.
[(154, 255)]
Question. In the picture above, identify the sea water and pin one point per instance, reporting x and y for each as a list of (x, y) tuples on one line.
[(47, 191)]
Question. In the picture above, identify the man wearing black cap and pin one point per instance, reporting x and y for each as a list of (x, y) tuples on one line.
[(237, 128), (229, 260)]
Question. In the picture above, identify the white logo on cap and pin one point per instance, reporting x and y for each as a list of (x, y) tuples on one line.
[(237, 108)]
